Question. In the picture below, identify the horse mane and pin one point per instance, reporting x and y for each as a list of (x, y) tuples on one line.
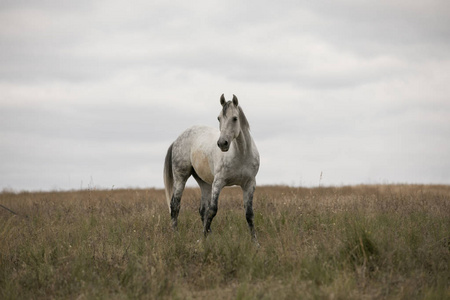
[(243, 120)]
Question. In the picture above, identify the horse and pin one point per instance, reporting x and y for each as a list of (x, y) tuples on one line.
[(215, 158)]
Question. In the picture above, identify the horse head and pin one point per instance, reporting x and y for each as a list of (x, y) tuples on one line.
[(229, 119)]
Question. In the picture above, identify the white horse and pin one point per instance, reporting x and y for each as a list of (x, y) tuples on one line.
[(216, 159)]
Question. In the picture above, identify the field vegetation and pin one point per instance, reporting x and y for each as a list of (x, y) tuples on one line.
[(359, 242)]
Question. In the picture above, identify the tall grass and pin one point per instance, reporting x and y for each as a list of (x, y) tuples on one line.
[(370, 242)]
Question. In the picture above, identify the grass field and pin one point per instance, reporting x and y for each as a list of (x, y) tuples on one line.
[(362, 242)]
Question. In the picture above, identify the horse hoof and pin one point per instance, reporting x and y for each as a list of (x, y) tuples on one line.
[(207, 232)]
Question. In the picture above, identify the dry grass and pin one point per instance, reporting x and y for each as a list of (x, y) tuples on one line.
[(362, 242)]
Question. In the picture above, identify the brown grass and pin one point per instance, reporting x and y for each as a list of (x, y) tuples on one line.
[(360, 242)]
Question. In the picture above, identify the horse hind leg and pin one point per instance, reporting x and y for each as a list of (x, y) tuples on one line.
[(248, 192), (175, 202), (181, 168)]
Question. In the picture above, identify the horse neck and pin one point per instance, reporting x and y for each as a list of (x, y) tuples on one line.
[(244, 142)]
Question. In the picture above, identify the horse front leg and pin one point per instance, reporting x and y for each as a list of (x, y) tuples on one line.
[(211, 209), (206, 198), (248, 191)]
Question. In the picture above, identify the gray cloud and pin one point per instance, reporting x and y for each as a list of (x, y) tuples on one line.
[(358, 90)]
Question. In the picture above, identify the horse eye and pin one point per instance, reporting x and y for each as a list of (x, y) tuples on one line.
[(235, 119), (218, 119)]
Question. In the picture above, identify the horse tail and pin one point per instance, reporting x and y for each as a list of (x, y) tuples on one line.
[(168, 175)]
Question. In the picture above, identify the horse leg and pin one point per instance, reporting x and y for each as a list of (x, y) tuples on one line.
[(248, 191), (211, 208), (206, 196), (175, 202)]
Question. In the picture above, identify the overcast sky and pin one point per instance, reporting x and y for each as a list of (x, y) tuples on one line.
[(92, 93)]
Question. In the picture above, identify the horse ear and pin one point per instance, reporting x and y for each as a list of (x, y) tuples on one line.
[(235, 100), (222, 100)]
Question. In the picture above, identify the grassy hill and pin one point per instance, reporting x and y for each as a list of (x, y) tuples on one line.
[(360, 242)]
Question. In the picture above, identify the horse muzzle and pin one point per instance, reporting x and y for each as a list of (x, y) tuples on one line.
[(223, 144)]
